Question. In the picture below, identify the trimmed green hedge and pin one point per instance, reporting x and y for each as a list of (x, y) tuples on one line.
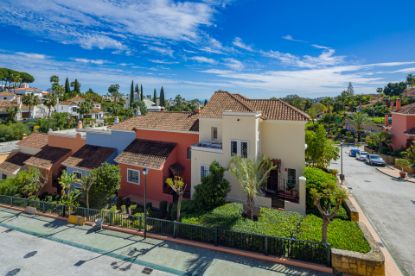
[(341, 234)]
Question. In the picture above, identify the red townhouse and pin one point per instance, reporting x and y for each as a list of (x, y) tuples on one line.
[(163, 145)]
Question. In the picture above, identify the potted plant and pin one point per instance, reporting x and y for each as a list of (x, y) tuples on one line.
[(404, 165)]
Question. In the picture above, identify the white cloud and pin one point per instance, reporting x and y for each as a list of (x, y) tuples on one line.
[(159, 61), (240, 44), (32, 55), (91, 61), (326, 58), (201, 59), (291, 38), (234, 64), (162, 50), (108, 24), (213, 46)]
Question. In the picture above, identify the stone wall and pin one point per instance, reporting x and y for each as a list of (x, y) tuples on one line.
[(355, 263), (351, 210)]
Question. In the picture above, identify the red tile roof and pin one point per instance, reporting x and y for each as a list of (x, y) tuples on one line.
[(89, 157), (408, 109), (47, 157), (170, 121), (34, 140), (270, 109), (14, 163), (146, 153)]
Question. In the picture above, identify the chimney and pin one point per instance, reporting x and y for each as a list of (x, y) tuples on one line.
[(398, 104), (386, 120)]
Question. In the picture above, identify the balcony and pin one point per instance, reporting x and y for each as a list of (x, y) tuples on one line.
[(208, 146)]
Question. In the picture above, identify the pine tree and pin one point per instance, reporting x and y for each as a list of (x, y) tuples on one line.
[(67, 87), (142, 93), (162, 100), (155, 96), (132, 94)]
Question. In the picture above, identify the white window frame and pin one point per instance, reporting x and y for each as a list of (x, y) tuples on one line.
[(212, 131), (205, 169), (239, 147), (139, 176)]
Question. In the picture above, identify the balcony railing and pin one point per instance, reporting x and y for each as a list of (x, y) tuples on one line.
[(209, 145)]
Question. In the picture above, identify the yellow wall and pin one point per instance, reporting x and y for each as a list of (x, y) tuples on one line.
[(205, 128)]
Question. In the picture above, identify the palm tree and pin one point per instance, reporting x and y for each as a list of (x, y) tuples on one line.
[(86, 184), (178, 186), (50, 101), (66, 181), (251, 175), (358, 120), (30, 100), (410, 80), (11, 113)]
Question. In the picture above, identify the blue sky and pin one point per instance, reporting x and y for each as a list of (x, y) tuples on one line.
[(260, 48)]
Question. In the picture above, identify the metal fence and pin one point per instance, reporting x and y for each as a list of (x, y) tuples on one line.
[(310, 251)]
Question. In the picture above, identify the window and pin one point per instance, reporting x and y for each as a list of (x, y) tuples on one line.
[(133, 176), (214, 133), (239, 148), (204, 171), (78, 175), (234, 148), (189, 153), (244, 149), (292, 178)]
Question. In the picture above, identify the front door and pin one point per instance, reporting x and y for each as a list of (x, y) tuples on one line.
[(272, 185)]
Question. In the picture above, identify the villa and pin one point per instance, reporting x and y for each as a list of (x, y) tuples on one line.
[(71, 106)]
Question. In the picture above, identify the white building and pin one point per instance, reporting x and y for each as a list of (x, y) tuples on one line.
[(231, 124), (71, 106)]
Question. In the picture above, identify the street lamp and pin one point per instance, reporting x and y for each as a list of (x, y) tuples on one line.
[(145, 172), (341, 161)]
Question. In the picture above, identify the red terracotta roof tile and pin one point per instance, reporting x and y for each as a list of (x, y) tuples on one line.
[(47, 157), (14, 163), (146, 153), (34, 140), (171, 121), (271, 109), (89, 157)]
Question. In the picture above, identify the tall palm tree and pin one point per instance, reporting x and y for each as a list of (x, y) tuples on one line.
[(50, 101), (358, 120), (30, 100), (251, 175)]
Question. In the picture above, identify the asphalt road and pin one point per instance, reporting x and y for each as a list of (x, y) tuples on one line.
[(389, 204)]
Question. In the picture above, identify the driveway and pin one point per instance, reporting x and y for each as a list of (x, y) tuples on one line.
[(389, 204), (34, 245)]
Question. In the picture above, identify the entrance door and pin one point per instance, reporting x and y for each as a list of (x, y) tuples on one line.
[(272, 185)]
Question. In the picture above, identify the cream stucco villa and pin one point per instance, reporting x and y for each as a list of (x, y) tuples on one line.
[(231, 124)]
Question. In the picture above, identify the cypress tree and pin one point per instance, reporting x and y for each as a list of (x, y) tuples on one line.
[(137, 90), (155, 96), (141, 93), (77, 87), (162, 101), (67, 87), (132, 94)]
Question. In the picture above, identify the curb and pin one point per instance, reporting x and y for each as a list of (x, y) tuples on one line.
[(237, 252), (394, 177)]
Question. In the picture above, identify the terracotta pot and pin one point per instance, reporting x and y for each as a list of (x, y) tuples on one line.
[(402, 174)]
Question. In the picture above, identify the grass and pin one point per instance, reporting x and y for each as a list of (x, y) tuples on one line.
[(342, 234)]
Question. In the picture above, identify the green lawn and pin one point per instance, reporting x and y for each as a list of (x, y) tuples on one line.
[(342, 234)]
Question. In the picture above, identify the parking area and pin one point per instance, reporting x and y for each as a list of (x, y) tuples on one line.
[(35, 245), (388, 203)]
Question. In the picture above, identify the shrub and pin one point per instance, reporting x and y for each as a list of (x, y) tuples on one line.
[(107, 182), (212, 191), (315, 179), (14, 131), (163, 209)]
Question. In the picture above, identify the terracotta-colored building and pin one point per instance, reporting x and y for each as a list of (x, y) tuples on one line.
[(163, 145), (403, 126)]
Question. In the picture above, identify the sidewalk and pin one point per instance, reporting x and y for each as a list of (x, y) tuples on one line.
[(163, 256), (393, 172)]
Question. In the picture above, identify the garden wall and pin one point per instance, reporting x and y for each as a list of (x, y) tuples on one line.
[(348, 262)]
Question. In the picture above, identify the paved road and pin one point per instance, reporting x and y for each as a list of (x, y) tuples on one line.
[(389, 204), (34, 245)]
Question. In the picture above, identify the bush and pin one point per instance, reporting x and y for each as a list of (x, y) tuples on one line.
[(341, 234), (212, 192), (14, 131), (163, 209)]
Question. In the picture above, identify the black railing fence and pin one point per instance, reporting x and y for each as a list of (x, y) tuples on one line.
[(310, 251)]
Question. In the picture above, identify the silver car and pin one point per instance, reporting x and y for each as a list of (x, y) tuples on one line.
[(361, 156)]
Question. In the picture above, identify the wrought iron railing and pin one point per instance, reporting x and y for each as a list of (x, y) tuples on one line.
[(311, 251)]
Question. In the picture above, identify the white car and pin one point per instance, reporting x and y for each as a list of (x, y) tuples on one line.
[(361, 156)]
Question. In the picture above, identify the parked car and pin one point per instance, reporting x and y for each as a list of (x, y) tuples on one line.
[(361, 156), (374, 159), (353, 152)]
